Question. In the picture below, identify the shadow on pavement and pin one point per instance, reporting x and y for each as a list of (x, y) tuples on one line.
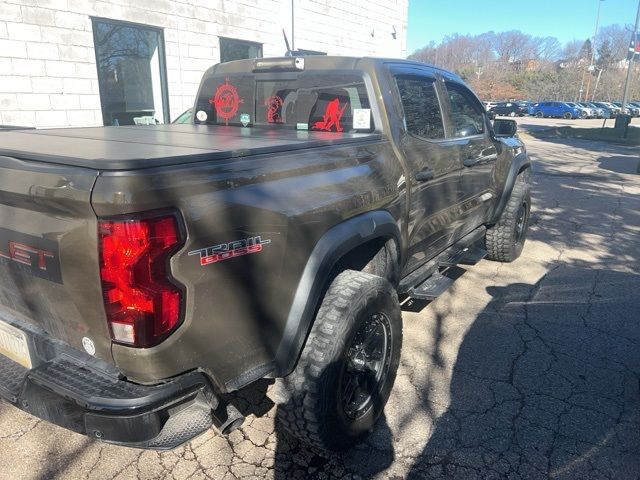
[(295, 460), (620, 164), (546, 383)]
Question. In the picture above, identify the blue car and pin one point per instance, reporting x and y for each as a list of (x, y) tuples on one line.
[(558, 110), (612, 110)]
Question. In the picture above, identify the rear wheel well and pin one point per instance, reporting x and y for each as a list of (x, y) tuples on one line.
[(524, 167), (379, 256)]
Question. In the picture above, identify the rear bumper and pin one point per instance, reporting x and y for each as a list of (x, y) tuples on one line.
[(80, 393)]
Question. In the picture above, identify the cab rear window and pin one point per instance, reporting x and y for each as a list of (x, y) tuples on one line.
[(307, 101)]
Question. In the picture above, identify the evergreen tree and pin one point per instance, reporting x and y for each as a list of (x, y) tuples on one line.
[(605, 54), (586, 50)]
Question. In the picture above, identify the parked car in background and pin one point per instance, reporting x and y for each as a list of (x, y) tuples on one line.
[(590, 111), (608, 112), (634, 104), (558, 110), (510, 109), (185, 117), (598, 111), (489, 105), (629, 109), (587, 111), (614, 111)]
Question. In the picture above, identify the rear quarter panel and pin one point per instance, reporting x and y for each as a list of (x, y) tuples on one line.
[(236, 309)]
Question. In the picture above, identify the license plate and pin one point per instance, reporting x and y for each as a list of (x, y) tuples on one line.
[(13, 344)]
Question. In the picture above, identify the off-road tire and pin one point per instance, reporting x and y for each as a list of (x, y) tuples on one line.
[(385, 263), (503, 241), (310, 398)]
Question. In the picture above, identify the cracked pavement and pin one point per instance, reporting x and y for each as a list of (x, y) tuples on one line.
[(523, 370)]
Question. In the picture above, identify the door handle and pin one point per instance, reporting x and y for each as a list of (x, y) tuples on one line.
[(425, 175)]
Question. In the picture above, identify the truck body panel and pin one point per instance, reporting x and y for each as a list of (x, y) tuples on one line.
[(48, 251), (290, 171), (288, 201)]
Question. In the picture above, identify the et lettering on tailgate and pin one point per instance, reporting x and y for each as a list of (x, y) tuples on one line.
[(34, 255)]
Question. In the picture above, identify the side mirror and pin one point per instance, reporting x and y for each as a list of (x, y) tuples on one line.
[(505, 128)]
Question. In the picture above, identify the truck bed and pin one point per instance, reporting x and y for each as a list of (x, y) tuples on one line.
[(136, 147)]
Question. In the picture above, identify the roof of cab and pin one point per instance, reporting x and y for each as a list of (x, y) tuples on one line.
[(326, 62)]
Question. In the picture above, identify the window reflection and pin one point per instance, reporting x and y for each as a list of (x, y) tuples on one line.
[(130, 61), (231, 49)]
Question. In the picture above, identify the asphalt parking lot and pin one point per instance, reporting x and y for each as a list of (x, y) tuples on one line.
[(525, 370)]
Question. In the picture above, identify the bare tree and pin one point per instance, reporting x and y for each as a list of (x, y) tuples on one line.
[(514, 65)]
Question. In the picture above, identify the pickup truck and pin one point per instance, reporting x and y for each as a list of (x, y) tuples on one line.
[(149, 272)]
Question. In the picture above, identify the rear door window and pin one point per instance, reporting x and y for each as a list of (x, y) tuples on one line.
[(421, 106)]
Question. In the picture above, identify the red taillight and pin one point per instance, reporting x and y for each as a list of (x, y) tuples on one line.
[(142, 304)]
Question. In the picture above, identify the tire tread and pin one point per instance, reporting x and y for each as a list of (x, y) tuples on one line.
[(304, 412), (499, 239)]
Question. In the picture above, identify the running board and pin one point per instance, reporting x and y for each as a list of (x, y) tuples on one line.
[(472, 255), (432, 287), (454, 255)]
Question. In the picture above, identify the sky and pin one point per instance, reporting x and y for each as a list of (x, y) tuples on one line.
[(564, 19)]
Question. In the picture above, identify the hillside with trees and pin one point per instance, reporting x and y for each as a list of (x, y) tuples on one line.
[(514, 65)]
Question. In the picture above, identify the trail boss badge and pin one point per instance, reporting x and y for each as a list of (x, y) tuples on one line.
[(225, 251)]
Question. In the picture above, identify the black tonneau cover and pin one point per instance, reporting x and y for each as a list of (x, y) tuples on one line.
[(134, 147)]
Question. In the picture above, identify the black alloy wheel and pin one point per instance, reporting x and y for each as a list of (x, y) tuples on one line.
[(367, 363)]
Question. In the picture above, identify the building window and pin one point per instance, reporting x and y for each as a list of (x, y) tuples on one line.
[(231, 49), (131, 73)]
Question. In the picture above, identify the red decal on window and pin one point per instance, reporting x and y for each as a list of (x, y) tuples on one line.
[(332, 116), (274, 106), (226, 101)]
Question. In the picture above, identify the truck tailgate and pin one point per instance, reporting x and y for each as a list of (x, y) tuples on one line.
[(48, 252)]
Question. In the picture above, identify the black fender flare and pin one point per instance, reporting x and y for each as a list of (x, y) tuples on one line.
[(333, 245), (520, 163)]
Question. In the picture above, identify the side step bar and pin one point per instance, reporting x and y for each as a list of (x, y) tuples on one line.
[(463, 252), (432, 287), (472, 255), (442, 271)]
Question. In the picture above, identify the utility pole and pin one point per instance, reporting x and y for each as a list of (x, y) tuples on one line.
[(293, 25), (593, 51), (627, 83), (623, 120)]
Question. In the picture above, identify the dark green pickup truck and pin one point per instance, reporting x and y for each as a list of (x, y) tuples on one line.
[(148, 272)]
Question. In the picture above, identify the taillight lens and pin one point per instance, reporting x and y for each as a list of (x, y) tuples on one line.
[(142, 303)]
